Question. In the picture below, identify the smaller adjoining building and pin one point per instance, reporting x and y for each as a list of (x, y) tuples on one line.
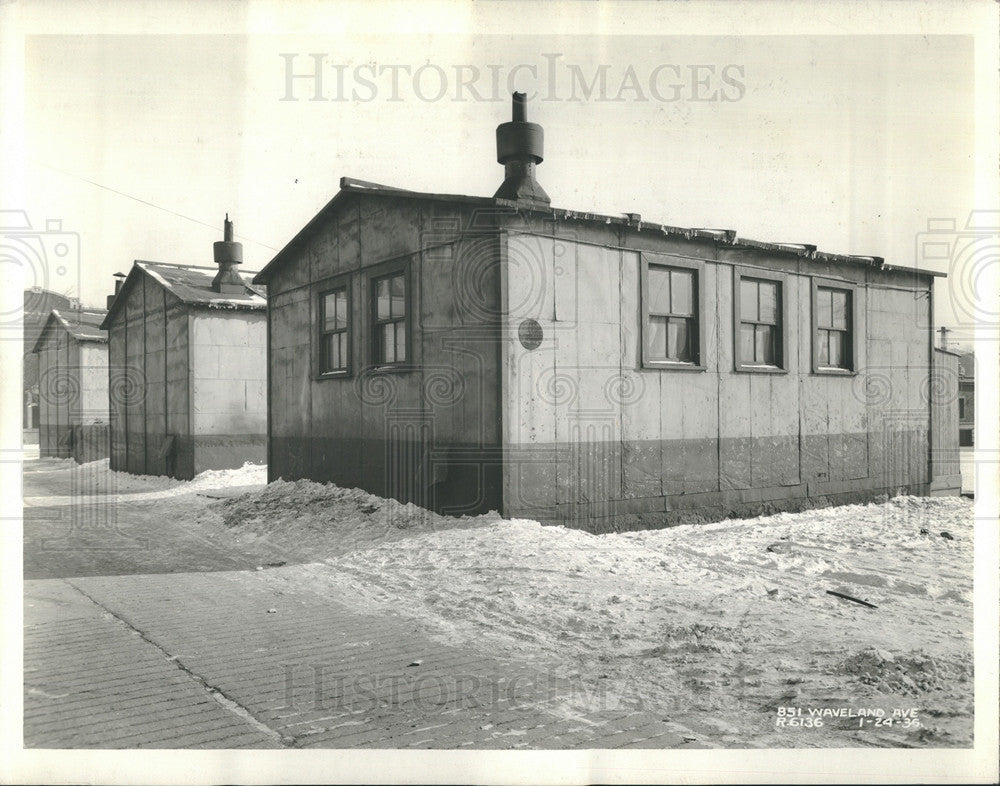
[(944, 388), (967, 400), (188, 366), (72, 352)]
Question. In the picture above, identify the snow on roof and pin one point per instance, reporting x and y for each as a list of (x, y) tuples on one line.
[(192, 284), (83, 324), (726, 237)]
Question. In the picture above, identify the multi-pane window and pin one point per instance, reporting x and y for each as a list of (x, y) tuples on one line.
[(389, 296), (833, 326), (672, 325), (760, 322), (334, 322)]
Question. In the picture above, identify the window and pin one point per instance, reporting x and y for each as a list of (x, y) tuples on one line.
[(833, 323), (671, 330), (334, 336), (389, 311), (965, 438), (961, 407), (759, 321), (832, 319)]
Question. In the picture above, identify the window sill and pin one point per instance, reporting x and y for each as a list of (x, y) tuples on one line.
[(344, 374), (834, 372), (667, 365), (751, 369), (391, 368)]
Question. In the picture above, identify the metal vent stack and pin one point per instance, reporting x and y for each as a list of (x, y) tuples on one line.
[(227, 256), (519, 149)]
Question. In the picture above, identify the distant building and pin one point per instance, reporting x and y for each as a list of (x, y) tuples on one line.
[(946, 463), (601, 372), (72, 363), (38, 306), (967, 400), (188, 346)]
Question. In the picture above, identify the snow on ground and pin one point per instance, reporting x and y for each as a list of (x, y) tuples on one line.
[(718, 626), (109, 480), (96, 478)]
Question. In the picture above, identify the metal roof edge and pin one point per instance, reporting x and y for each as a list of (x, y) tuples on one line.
[(728, 237), (57, 318)]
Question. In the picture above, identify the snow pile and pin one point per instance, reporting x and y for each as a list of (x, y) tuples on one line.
[(247, 475), (717, 624), (105, 480), (324, 519), (914, 675)]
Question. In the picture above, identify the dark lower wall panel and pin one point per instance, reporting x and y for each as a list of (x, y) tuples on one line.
[(224, 451), (83, 443), (660, 512), (54, 441), (451, 478), (91, 442), (573, 484)]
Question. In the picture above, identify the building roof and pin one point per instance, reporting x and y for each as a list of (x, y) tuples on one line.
[(192, 284), (967, 366), (83, 324), (726, 237)]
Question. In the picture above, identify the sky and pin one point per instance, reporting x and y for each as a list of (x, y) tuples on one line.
[(140, 143)]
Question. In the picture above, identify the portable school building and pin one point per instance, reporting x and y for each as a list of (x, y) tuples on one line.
[(601, 372), (72, 352), (188, 344)]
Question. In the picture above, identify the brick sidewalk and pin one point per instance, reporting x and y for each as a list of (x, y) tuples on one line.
[(237, 659), (92, 682)]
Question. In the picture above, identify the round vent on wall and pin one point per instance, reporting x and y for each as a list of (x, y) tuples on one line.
[(530, 334)]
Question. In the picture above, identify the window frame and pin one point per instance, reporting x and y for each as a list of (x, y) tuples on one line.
[(852, 326), (373, 276), (698, 342), (781, 279), (322, 289)]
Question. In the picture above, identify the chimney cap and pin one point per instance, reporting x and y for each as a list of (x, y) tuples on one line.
[(519, 140), (519, 148)]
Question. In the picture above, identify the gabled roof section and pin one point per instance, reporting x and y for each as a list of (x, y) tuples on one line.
[(191, 284), (722, 237), (349, 186), (82, 324)]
